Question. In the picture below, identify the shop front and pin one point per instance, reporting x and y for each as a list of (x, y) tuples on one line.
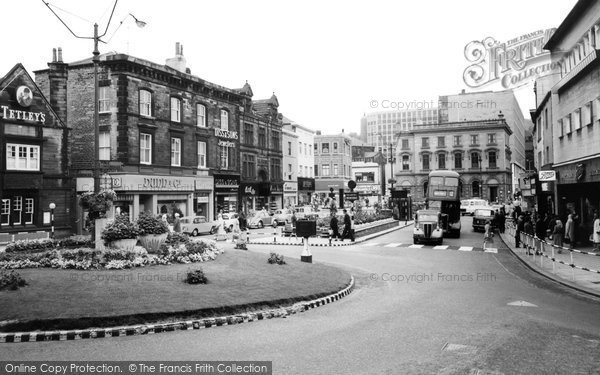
[(322, 189), (577, 191), (226, 193), (276, 197), (290, 194), (306, 187), (255, 195), (204, 196)]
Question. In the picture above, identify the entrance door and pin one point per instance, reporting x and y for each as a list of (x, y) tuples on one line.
[(493, 193)]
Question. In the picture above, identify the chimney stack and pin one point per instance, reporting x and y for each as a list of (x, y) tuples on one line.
[(60, 55), (178, 62), (53, 55)]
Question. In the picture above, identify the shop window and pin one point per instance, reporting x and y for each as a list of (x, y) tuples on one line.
[(176, 152), (201, 154), (145, 148), (104, 145), (201, 115), (103, 99), (145, 103), (224, 120), (175, 109), (22, 157)]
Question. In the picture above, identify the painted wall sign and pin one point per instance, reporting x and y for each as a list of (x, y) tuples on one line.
[(227, 181), (547, 176), (24, 96), (15, 114), (151, 183), (226, 144)]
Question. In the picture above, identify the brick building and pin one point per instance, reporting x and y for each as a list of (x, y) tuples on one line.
[(168, 139), (478, 150), (568, 117), (333, 163), (35, 169)]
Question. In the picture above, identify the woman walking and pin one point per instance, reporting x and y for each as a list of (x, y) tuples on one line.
[(488, 236), (557, 235), (596, 233)]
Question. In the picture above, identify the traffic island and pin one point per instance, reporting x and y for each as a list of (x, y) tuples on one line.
[(242, 286)]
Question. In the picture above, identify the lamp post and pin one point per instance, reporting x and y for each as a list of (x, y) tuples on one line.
[(480, 176), (52, 206)]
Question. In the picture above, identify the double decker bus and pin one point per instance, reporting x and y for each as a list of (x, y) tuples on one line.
[(443, 195)]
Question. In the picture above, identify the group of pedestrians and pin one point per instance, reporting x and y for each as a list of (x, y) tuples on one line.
[(552, 228), (348, 231)]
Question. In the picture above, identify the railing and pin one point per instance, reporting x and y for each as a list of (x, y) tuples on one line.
[(537, 247)]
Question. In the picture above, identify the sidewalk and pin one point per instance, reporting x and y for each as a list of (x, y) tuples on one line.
[(566, 268), (321, 241)]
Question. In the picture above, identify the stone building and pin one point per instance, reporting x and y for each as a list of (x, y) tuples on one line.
[(35, 170), (290, 167), (305, 159), (169, 140), (478, 150), (261, 154)]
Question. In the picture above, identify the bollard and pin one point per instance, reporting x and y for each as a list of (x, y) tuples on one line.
[(247, 236), (274, 235), (572, 268)]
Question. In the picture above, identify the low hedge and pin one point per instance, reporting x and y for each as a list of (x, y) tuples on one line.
[(49, 244)]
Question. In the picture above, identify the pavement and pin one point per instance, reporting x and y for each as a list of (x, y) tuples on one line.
[(576, 268)]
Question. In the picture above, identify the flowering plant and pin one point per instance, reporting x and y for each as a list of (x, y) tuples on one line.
[(120, 229)]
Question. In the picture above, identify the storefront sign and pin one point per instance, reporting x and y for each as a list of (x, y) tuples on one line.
[(276, 188), (583, 172), (152, 183), (226, 144), (204, 183), (222, 181), (14, 114), (306, 184), (226, 133), (547, 176), (290, 186)]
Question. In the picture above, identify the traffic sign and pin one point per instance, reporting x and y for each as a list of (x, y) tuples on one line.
[(353, 196)]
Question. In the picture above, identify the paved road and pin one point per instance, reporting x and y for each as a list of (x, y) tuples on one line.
[(414, 311)]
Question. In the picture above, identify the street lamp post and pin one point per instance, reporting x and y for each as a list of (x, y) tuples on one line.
[(480, 176), (52, 206)]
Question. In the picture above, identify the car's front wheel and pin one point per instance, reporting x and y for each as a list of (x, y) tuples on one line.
[(212, 230), (275, 223), (195, 233), (260, 224)]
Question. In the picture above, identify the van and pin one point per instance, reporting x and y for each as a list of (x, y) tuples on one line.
[(468, 206)]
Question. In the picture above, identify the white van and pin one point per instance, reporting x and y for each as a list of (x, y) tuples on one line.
[(468, 206)]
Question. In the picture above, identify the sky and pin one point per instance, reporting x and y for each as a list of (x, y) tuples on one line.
[(326, 61)]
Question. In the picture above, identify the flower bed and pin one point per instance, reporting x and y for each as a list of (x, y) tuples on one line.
[(48, 244), (89, 259)]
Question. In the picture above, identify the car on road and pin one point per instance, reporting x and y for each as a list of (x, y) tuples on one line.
[(260, 219), (230, 220), (468, 206), (482, 215), (195, 225), (280, 217), (428, 227)]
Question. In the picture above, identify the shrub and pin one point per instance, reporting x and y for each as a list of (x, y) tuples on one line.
[(76, 241), (11, 280), (196, 277), (149, 224), (175, 238), (30, 245), (120, 229), (276, 259), (196, 247)]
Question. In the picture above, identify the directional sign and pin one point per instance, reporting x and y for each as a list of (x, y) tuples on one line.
[(351, 196)]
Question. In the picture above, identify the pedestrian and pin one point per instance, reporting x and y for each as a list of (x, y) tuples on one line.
[(396, 213), (294, 219), (570, 231), (177, 223), (488, 236), (520, 228), (347, 225), (352, 225), (557, 235), (334, 226), (496, 221), (540, 228), (596, 233), (242, 220), (502, 227)]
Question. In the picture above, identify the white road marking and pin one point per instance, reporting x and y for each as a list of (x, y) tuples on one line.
[(416, 246), (491, 250), (441, 247), (521, 304), (393, 244), (465, 248)]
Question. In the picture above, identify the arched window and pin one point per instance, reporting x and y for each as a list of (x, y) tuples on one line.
[(475, 188)]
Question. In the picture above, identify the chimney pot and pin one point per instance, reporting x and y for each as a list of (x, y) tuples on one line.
[(176, 48), (53, 54), (60, 54)]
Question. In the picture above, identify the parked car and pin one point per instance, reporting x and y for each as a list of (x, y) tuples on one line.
[(259, 220), (482, 215), (195, 225), (428, 227), (468, 206), (229, 221), (280, 217)]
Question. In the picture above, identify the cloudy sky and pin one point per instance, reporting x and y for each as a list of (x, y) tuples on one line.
[(325, 60)]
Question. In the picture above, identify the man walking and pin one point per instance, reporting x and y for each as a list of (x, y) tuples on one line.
[(334, 226), (520, 228)]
